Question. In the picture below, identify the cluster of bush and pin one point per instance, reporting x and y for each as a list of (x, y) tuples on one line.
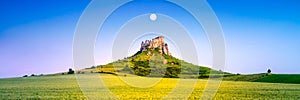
[(32, 75), (142, 68), (70, 71)]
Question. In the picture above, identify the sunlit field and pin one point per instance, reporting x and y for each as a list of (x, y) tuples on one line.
[(66, 87)]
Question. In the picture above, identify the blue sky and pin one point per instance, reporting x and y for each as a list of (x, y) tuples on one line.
[(36, 36)]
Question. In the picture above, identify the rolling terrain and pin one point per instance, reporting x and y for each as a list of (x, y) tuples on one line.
[(66, 87), (151, 73)]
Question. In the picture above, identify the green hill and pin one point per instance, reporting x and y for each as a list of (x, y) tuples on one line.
[(154, 60), (264, 77), (281, 78), (250, 77), (151, 63)]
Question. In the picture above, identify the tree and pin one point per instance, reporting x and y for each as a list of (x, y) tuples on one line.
[(202, 73), (71, 71), (93, 67), (269, 71), (172, 72), (141, 68)]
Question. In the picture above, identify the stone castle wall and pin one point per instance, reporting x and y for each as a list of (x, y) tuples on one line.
[(158, 42)]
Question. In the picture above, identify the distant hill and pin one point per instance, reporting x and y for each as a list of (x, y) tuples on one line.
[(264, 77), (155, 60), (249, 77), (281, 78)]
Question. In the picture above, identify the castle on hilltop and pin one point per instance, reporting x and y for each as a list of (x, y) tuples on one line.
[(157, 42)]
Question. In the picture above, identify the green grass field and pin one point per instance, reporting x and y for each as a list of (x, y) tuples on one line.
[(281, 78), (66, 87)]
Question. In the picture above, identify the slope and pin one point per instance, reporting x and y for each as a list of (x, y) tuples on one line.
[(152, 63)]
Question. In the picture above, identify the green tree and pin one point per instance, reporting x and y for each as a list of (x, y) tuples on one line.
[(202, 73), (71, 71), (269, 71), (141, 68), (172, 72)]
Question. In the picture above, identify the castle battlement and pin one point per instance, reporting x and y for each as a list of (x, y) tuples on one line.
[(157, 42)]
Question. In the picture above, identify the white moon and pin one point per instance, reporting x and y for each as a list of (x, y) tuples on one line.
[(153, 17)]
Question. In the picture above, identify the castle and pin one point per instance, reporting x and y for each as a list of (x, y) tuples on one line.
[(157, 42)]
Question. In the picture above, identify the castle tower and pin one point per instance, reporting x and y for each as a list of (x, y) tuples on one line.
[(157, 42)]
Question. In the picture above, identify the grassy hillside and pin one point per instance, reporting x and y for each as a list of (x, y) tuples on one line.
[(66, 87), (272, 78), (281, 78), (250, 77), (153, 64)]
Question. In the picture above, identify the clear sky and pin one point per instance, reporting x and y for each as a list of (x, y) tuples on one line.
[(36, 35)]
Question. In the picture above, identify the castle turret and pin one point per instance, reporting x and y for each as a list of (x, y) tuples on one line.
[(157, 42)]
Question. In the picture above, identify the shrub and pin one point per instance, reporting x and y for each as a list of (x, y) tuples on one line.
[(71, 71), (172, 72), (269, 71)]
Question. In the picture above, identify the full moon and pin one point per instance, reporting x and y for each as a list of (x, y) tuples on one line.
[(153, 17)]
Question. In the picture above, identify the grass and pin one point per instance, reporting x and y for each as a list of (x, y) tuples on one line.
[(45, 87), (66, 87), (281, 78), (271, 78), (249, 78), (142, 63)]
